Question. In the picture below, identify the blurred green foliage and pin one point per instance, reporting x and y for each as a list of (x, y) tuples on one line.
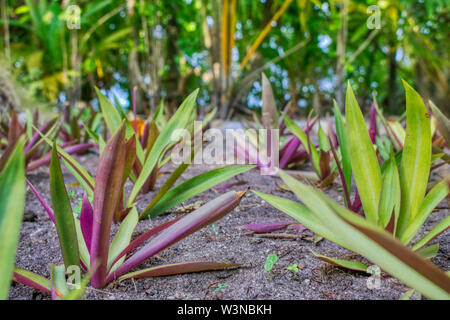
[(169, 48)]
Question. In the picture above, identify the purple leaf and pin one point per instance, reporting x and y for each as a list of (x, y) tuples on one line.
[(142, 238), (86, 221), (298, 227), (266, 227), (73, 149), (178, 268), (227, 185), (42, 201), (32, 280), (107, 190), (294, 143), (187, 225)]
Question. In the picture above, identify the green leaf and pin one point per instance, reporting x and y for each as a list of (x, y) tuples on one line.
[(323, 140), (343, 145), (32, 280), (170, 181), (110, 113), (352, 265), (84, 252), (390, 195), (122, 238), (438, 193), (12, 201), (300, 213), (416, 159), (58, 276), (77, 293), (77, 170), (407, 295), (194, 186), (377, 245), (437, 230), (442, 121), (270, 261), (366, 170), (169, 135), (429, 252), (64, 220)]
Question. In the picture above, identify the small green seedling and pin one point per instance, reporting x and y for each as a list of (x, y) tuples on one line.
[(293, 267), (72, 194), (270, 262), (221, 287), (214, 228)]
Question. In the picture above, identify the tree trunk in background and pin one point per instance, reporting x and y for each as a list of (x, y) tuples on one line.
[(240, 91), (173, 75), (134, 73), (316, 99), (340, 63), (392, 98)]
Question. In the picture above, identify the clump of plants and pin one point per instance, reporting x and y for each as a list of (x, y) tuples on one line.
[(290, 152), (37, 153), (85, 239), (150, 152), (395, 203)]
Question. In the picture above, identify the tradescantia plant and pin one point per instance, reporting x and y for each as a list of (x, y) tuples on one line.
[(395, 203), (12, 201), (85, 241), (290, 152), (36, 151), (154, 157), (320, 156), (151, 153)]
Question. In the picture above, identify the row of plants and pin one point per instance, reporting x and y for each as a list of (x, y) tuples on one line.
[(392, 194)]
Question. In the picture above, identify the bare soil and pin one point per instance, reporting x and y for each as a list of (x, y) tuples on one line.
[(38, 248)]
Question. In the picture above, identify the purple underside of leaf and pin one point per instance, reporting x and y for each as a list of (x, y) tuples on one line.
[(265, 227), (289, 152), (298, 227), (42, 201), (227, 185), (30, 283), (107, 189), (286, 145), (356, 206), (141, 239), (86, 221), (179, 268), (299, 155), (73, 149), (187, 225), (144, 138)]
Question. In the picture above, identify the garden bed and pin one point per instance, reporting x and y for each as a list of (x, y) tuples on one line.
[(39, 247)]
